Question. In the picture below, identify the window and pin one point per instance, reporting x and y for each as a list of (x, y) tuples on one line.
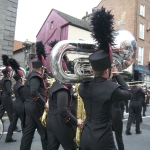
[(140, 55), (52, 25), (147, 80), (142, 10), (141, 32)]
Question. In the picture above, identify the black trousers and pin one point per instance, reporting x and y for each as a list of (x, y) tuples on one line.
[(143, 108), (32, 122), (59, 133), (134, 110), (6, 105), (18, 112), (118, 127), (127, 106)]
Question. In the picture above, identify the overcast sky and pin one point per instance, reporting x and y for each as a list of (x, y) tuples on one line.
[(31, 14)]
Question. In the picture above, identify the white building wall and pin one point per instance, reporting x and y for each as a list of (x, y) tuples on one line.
[(75, 33)]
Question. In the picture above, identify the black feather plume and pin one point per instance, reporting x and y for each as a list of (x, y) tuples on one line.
[(5, 59), (53, 43), (40, 50), (102, 28), (14, 64)]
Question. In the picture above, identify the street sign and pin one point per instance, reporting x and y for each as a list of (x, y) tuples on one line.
[(140, 68)]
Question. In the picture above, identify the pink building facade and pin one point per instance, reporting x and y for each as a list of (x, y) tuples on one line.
[(56, 27)]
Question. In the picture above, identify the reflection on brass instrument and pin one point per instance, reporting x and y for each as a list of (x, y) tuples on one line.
[(44, 116), (124, 52), (80, 51), (80, 114)]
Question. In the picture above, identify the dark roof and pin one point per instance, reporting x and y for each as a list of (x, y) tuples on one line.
[(74, 21)]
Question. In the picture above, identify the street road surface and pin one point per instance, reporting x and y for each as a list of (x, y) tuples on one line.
[(131, 142)]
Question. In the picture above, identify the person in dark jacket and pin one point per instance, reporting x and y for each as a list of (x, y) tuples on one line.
[(117, 116), (135, 109), (34, 107), (99, 94), (7, 103), (18, 105), (36, 98), (18, 108), (61, 123)]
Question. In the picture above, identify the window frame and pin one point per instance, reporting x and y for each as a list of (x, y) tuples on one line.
[(52, 25), (141, 31), (142, 10), (140, 56)]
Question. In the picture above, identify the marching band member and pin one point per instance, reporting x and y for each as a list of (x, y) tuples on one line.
[(117, 116), (18, 106), (61, 122), (135, 109), (35, 101), (99, 93), (7, 104)]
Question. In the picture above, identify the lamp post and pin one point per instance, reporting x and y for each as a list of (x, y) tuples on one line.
[(26, 46)]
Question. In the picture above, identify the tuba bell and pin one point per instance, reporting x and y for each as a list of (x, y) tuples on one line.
[(79, 51), (124, 52)]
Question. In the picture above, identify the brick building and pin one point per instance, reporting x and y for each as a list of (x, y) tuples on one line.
[(134, 16), (8, 13)]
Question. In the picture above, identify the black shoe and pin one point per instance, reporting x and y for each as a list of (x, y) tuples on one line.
[(10, 140), (128, 133), (138, 132), (133, 122), (144, 115)]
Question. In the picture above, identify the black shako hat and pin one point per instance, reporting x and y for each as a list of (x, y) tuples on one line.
[(17, 77), (102, 32), (100, 60), (5, 71), (37, 64)]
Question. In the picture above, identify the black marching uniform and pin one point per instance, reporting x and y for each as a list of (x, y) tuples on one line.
[(143, 101), (135, 109), (34, 108), (97, 129), (18, 109), (61, 122), (122, 106), (117, 116), (6, 100)]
